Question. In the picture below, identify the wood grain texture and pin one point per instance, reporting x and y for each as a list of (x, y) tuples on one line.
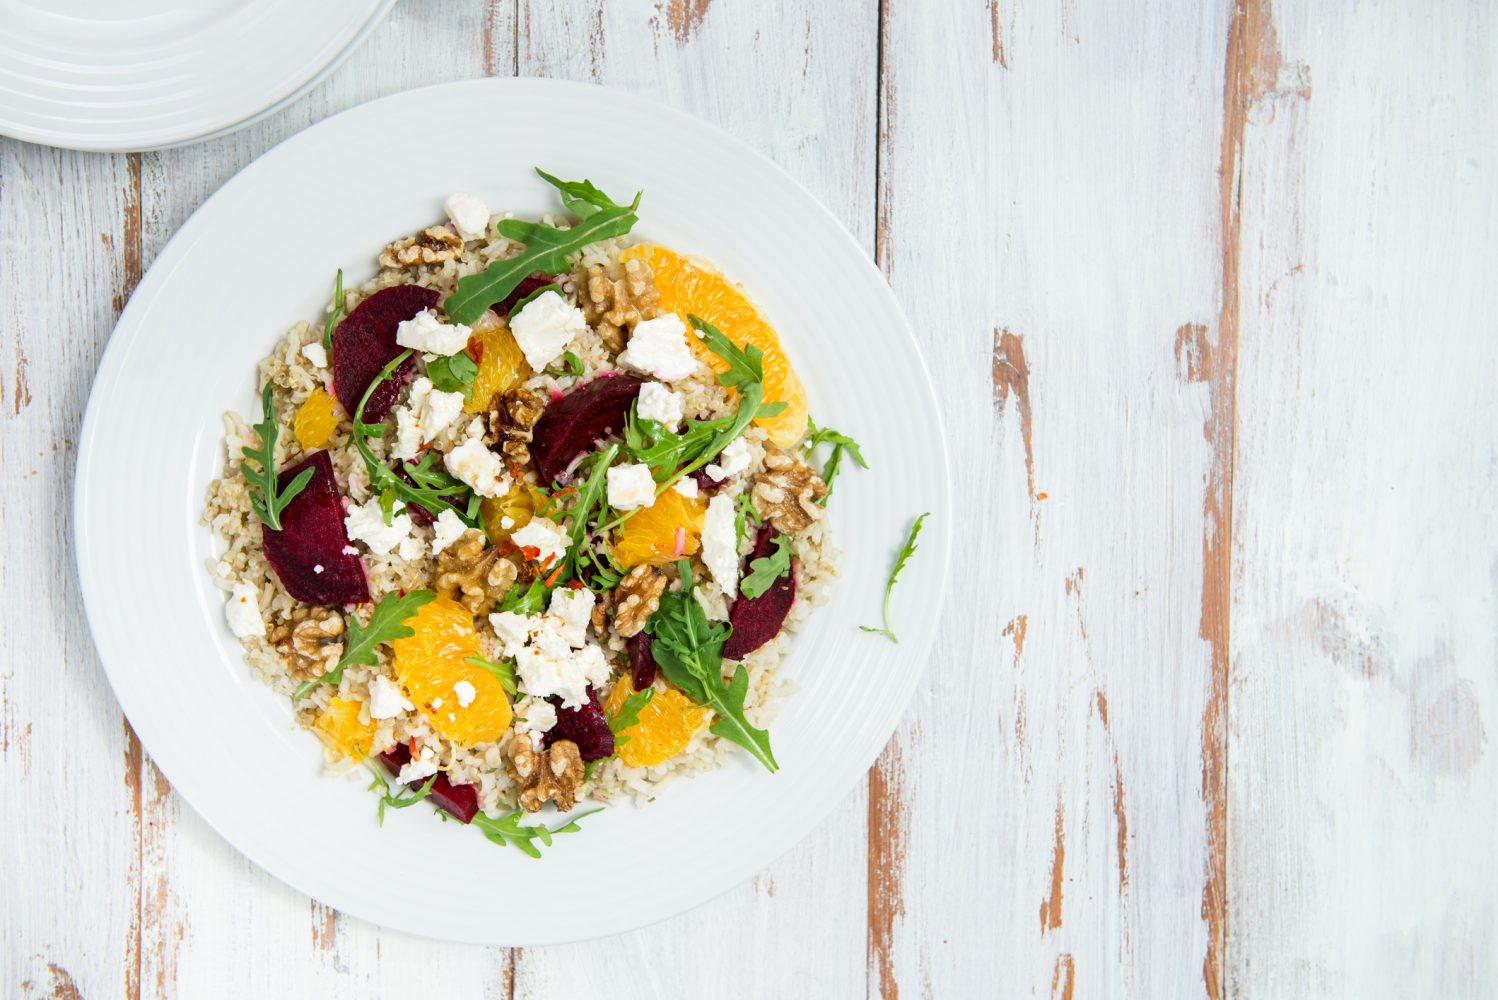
[(1208, 288)]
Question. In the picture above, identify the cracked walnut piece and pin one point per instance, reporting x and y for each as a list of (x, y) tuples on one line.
[(638, 594), (430, 246), (511, 421), (310, 640), (472, 572), (614, 302), (551, 775), (786, 493)]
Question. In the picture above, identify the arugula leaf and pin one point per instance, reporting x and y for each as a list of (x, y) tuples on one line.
[(508, 831), (573, 364), (398, 800), (386, 622), (841, 444), (663, 449), (744, 366), (546, 249), (765, 570), (906, 551), (525, 600), (744, 512), (503, 672), (332, 320), (629, 715), (531, 297), (582, 198), (266, 496), (689, 650), (454, 373), (591, 494)]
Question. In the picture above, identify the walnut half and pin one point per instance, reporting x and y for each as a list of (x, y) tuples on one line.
[(472, 572), (613, 300), (638, 595), (510, 423), (551, 775), (311, 641), (430, 246), (786, 493)]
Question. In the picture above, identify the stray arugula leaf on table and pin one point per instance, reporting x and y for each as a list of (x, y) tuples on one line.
[(504, 672), (266, 496), (841, 444), (546, 247), (765, 570), (333, 316), (386, 622), (689, 650), (628, 715), (454, 373), (508, 831), (906, 551)]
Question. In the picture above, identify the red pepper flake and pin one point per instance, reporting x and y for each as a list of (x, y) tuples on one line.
[(545, 562), (530, 552), (551, 580), (414, 746), (506, 547), (475, 349), (574, 584)]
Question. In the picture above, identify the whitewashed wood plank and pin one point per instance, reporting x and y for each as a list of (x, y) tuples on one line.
[(1364, 783), (1050, 221), (70, 798), (797, 81)]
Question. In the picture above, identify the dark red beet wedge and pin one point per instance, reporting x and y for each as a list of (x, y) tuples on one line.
[(588, 727), (571, 424), (307, 553), (461, 801), (364, 343), (757, 620), (642, 666)]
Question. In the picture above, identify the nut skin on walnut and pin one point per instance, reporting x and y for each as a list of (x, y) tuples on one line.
[(786, 493), (554, 774), (511, 421), (473, 573), (310, 641), (430, 246)]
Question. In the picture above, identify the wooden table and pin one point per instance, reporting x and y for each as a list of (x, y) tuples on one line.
[(1211, 286)]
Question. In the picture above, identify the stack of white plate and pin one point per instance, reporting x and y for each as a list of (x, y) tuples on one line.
[(115, 75)]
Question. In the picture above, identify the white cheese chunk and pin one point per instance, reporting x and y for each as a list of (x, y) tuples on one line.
[(535, 715), (366, 523), (315, 353), (243, 611), (478, 467), (720, 545), (658, 403), (386, 700), (545, 327), (469, 215), (428, 412), (658, 347), (573, 609), (466, 692), (448, 528), (686, 486), (425, 332), (419, 768), (545, 536), (545, 672), (631, 486), (735, 458)]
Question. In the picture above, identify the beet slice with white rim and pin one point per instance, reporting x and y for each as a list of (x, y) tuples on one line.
[(571, 424), (459, 801), (757, 620), (586, 726), (364, 343), (309, 552)]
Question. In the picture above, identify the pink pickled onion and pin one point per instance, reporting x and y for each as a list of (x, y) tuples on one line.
[(681, 543)]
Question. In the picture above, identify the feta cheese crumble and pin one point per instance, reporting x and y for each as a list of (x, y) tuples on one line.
[(553, 657), (535, 715), (366, 523), (686, 486), (315, 353), (631, 486), (545, 327), (428, 412), (720, 545), (469, 214), (466, 692), (448, 528), (425, 332), (658, 403), (478, 467), (658, 347), (386, 700), (419, 768), (733, 460), (574, 609), (545, 536), (243, 611)]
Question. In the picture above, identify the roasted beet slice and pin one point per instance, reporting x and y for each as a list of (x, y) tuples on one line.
[(461, 801), (757, 620), (308, 552), (587, 726), (571, 424), (419, 514), (642, 666), (365, 342)]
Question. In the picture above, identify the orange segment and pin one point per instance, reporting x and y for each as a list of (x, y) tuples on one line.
[(315, 421), (666, 725), (339, 727), (501, 362), (650, 536), (692, 287), (519, 505), (429, 663)]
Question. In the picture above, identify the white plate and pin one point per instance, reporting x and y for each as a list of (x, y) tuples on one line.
[(114, 75), (243, 269)]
